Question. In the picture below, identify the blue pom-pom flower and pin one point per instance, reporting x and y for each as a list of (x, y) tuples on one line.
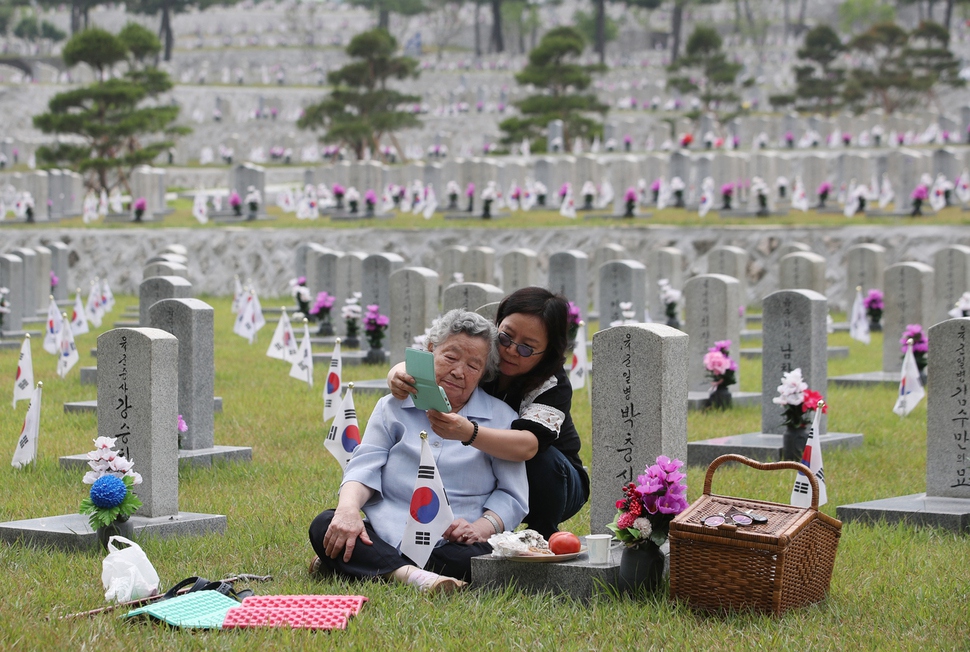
[(108, 491)]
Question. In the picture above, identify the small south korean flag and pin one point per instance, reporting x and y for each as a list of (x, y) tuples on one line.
[(79, 320), (910, 387), (302, 368), (26, 451), (23, 384), (238, 296), (55, 323), (67, 350), (858, 322), (801, 493), (258, 320), (283, 346), (577, 371), (94, 307), (245, 319), (430, 513), (344, 436), (331, 391), (107, 297)]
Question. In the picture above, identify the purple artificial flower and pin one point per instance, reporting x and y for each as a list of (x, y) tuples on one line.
[(54, 279), (914, 332), (182, 426), (920, 193), (338, 190), (370, 197), (824, 188), (727, 189), (630, 195), (655, 186), (301, 280), (873, 300), (470, 190), (140, 204), (573, 315), (564, 190), (234, 199)]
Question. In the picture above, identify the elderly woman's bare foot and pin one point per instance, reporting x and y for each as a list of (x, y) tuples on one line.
[(426, 581)]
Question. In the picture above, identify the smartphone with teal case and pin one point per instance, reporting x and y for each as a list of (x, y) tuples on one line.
[(420, 365)]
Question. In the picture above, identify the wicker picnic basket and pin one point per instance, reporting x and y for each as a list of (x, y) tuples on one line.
[(771, 567)]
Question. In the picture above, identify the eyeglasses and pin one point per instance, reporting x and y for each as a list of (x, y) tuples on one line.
[(523, 350)]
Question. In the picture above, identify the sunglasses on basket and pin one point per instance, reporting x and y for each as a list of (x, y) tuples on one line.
[(523, 350), (734, 517)]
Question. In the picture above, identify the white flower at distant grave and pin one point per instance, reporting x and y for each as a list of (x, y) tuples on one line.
[(458, 277), (792, 389)]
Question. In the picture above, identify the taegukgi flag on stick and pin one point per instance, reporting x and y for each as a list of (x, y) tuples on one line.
[(67, 350), (302, 368), (858, 322), (430, 513), (54, 325), (283, 345), (577, 371), (26, 451), (344, 436), (331, 391), (79, 321), (107, 298), (245, 319), (94, 308), (910, 387), (237, 295), (801, 493), (258, 320), (23, 384)]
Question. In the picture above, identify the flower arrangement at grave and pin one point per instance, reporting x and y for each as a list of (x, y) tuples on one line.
[(919, 195), (235, 202), (686, 140), (27, 201), (627, 143), (541, 192), (140, 205), (351, 314), (760, 188), (370, 201), (670, 297), (655, 189), (452, 190), (630, 202), (644, 513), (823, 191), (301, 293), (628, 314), (874, 306), (353, 199), (489, 195), (111, 478), (921, 345), (790, 139), (253, 200), (722, 371), (574, 318), (677, 186), (181, 427), (338, 193), (375, 325), (962, 307), (54, 281), (846, 138), (589, 194), (470, 194), (727, 191), (798, 404), (4, 304)]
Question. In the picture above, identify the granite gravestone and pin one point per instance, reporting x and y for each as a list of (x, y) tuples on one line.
[(790, 248), (470, 296), (12, 278), (951, 274), (802, 270), (165, 269), (908, 300), (730, 261), (28, 282), (711, 304), (601, 255), (377, 269), (452, 261), (520, 269), (156, 288), (865, 266), (44, 290), (479, 265), (414, 304), (489, 311), (639, 409), (568, 275), (946, 502), (621, 281), (313, 277), (192, 322), (666, 263), (59, 265)]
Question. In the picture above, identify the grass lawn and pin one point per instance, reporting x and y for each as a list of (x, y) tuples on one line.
[(893, 587)]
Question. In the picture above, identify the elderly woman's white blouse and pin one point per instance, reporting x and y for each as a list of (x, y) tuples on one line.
[(388, 456)]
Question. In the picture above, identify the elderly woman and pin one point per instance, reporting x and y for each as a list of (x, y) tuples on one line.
[(487, 495)]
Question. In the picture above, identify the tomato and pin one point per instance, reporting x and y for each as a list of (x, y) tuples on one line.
[(564, 543)]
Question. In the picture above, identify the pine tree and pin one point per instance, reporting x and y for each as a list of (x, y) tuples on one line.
[(361, 108), (705, 70), (819, 82), (118, 120)]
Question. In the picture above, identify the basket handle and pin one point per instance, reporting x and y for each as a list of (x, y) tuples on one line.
[(761, 466)]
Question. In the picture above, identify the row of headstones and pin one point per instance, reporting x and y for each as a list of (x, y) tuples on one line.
[(26, 272)]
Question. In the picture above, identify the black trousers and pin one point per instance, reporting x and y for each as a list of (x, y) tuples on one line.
[(556, 491), (451, 559)]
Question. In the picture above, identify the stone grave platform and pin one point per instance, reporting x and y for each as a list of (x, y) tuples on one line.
[(698, 400), (376, 386), (475, 216), (197, 457), (352, 358), (917, 509), (578, 578), (231, 218), (749, 334), (749, 213), (6, 345), (127, 323), (72, 532), (353, 217), (761, 446), (621, 217), (833, 352), (868, 379), (92, 406), (117, 218)]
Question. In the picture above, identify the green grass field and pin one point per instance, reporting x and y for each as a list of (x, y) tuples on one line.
[(893, 587)]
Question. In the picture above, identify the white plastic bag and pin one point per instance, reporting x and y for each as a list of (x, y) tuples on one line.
[(126, 572)]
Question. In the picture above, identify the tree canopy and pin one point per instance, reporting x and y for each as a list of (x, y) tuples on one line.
[(819, 82), (704, 69)]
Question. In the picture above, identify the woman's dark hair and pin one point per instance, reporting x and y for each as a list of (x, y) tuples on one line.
[(552, 310)]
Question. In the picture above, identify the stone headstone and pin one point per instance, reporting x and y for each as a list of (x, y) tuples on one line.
[(29, 281), (469, 296), (908, 300), (667, 263), (711, 303), (44, 291), (865, 268), (621, 281), (568, 275), (479, 265), (59, 265), (603, 254), (414, 305), (37, 183), (802, 270), (350, 274), (489, 311), (377, 270), (157, 288), (520, 269), (12, 277), (951, 273), (795, 337), (451, 260), (730, 261), (321, 267), (165, 269), (947, 459), (141, 410), (790, 248), (639, 408)]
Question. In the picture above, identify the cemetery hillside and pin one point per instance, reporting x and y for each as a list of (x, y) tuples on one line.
[(435, 324)]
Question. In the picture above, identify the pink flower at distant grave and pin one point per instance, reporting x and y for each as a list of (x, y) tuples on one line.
[(789, 136), (716, 362), (920, 192), (727, 189), (630, 195), (626, 139), (914, 332), (370, 197), (470, 190), (338, 190), (234, 199), (873, 300), (824, 188), (182, 426), (846, 137), (564, 190), (655, 186), (54, 279), (141, 204)]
